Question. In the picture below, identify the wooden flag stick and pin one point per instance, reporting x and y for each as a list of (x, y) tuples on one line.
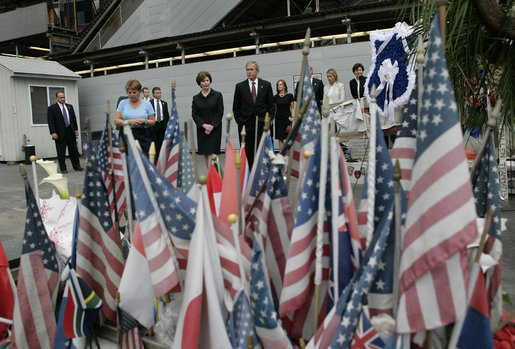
[(491, 125), (442, 15), (233, 218), (504, 323), (35, 177), (420, 71), (111, 167), (371, 170), (398, 236), (193, 149), (126, 189), (300, 86)]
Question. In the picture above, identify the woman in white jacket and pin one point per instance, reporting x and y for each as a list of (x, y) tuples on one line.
[(335, 94)]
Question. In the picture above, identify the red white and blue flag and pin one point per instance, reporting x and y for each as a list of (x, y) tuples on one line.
[(268, 326), (297, 297), (168, 160), (107, 165), (366, 336), (161, 209), (487, 195), (406, 142), (34, 322), (99, 258), (441, 216)]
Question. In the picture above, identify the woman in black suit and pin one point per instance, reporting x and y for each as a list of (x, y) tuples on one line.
[(357, 85), (207, 110)]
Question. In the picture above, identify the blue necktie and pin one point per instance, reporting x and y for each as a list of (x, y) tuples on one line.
[(65, 116)]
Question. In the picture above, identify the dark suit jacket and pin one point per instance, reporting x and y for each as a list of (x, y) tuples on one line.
[(244, 109), (318, 88), (164, 110), (56, 121), (353, 84)]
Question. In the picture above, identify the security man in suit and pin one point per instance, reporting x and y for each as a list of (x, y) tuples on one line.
[(63, 128), (253, 98), (162, 117), (318, 89)]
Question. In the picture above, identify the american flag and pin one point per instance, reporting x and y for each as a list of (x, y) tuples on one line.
[(364, 278), (441, 217), (266, 321), (168, 161), (366, 336), (486, 193), (406, 141), (260, 170), (344, 236), (160, 209), (100, 260), (240, 324), (298, 282), (34, 322), (129, 332), (274, 215), (380, 295), (186, 176), (310, 128), (116, 192)]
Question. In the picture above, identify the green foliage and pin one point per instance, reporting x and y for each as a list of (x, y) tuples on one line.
[(480, 62)]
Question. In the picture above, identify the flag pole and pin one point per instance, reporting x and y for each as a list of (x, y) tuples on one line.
[(111, 166), (420, 71), (491, 124), (233, 218), (371, 169), (398, 237), (321, 217), (193, 149), (126, 189), (266, 128), (474, 272), (300, 86), (237, 163), (35, 177), (335, 188)]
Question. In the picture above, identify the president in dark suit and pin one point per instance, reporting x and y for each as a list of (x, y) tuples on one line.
[(253, 98), (318, 89), (63, 128), (162, 117)]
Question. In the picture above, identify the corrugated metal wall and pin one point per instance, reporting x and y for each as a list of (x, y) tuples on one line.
[(95, 92)]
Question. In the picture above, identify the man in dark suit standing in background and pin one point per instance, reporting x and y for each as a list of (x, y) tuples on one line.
[(162, 117), (63, 128), (253, 98), (318, 90)]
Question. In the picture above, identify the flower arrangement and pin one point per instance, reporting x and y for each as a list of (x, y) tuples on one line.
[(391, 71)]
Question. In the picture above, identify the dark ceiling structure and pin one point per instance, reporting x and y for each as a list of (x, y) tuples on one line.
[(251, 22)]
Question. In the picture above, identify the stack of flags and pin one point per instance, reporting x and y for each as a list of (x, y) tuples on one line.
[(298, 272)]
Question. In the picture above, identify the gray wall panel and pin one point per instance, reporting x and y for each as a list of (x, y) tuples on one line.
[(24, 21), (94, 92), (162, 18)]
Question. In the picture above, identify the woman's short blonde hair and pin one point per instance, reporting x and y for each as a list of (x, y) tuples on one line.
[(133, 85), (202, 75), (333, 73)]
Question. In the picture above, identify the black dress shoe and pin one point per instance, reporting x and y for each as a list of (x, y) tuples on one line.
[(64, 171), (79, 169)]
